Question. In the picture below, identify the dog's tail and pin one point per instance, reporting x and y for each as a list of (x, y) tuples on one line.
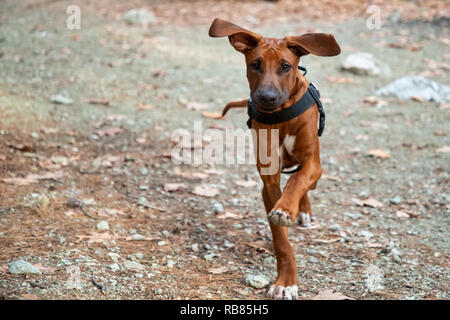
[(235, 104)]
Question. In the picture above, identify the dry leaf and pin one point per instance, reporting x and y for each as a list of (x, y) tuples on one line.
[(373, 124), (170, 187), (417, 98), (246, 183), (29, 296), (228, 214), (206, 190), (44, 270), (141, 140), (116, 117), (444, 149), (401, 214), (332, 178), (109, 132), (95, 237), (329, 294), (197, 106), (397, 45), (260, 246), (362, 137), (371, 202), (331, 238), (49, 130), (372, 100), (378, 153), (214, 171), (33, 178), (218, 270), (375, 245), (24, 147), (106, 212), (190, 175), (103, 102), (212, 115), (340, 79), (444, 106), (144, 106)]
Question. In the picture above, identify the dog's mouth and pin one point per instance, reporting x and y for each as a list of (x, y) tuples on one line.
[(268, 105), (265, 107)]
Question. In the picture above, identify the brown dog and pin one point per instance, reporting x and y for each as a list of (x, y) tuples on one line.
[(276, 83)]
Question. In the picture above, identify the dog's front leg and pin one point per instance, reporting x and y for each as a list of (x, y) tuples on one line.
[(285, 286), (286, 209)]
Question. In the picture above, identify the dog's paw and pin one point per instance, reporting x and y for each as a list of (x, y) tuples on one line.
[(304, 220), (280, 218), (283, 293)]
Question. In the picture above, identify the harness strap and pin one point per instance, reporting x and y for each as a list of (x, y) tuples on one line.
[(312, 96)]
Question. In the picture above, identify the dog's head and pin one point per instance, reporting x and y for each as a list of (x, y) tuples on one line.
[(272, 63)]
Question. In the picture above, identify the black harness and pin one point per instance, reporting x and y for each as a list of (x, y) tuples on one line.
[(312, 96)]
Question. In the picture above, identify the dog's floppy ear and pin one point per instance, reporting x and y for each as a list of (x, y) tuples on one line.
[(319, 44), (241, 39)]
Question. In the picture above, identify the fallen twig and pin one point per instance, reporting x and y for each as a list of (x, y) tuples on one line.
[(75, 203)]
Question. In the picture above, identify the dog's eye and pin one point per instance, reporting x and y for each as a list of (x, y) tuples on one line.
[(256, 65), (285, 67)]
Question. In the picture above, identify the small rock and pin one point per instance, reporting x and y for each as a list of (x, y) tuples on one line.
[(22, 267), (218, 208), (114, 256), (139, 16), (165, 233), (208, 257), (335, 227), (352, 215), (364, 63), (114, 267), (103, 225), (245, 292), (161, 243), (228, 244), (139, 255), (137, 236), (144, 171), (366, 234), (256, 281), (133, 265), (61, 160), (313, 260), (60, 99), (43, 201), (144, 202), (237, 226), (416, 87), (396, 200), (171, 263)]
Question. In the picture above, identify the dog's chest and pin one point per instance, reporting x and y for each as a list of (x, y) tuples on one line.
[(286, 151)]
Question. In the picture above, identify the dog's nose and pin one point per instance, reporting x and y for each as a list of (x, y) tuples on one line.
[(268, 96)]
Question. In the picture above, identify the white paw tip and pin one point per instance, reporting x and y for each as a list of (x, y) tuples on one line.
[(283, 293), (280, 218)]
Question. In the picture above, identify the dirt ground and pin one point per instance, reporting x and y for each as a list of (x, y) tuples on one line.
[(382, 215)]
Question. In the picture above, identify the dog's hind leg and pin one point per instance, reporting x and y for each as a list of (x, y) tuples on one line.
[(304, 216)]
